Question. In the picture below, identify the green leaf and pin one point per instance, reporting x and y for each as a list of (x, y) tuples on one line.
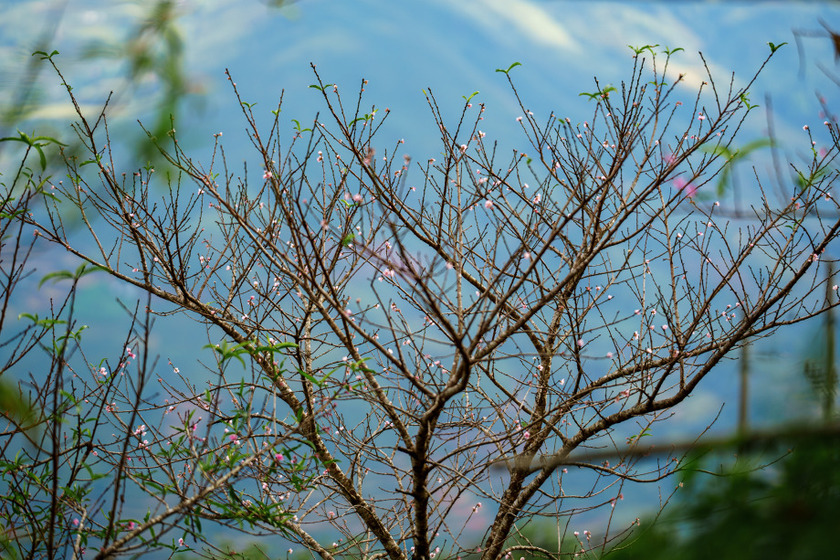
[(275, 347), (746, 101), (774, 47), (734, 156), (83, 270), (603, 93), (229, 352), (640, 50), (88, 162), (298, 128), (14, 404), (804, 182), (56, 276), (311, 378), (44, 55), (37, 142), (636, 438), (46, 323), (467, 99), (73, 335), (511, 67)]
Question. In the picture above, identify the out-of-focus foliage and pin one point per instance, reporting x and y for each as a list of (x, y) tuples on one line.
[(788, 510), (153, 49), (149, 56)]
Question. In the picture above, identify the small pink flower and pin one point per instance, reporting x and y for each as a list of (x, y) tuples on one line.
[(267, 174), (701, 117), (488, 204), (682, 185)]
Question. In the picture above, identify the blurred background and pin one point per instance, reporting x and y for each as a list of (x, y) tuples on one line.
[(158, 59)]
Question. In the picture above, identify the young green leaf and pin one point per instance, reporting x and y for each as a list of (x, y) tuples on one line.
[(640, 50), (511, 67), (774, 47), (36, 142), (44, 55)]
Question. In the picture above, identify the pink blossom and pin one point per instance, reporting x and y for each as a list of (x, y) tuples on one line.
[(682, 185), (488, 204)]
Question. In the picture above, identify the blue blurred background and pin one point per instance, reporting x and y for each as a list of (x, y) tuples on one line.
[(402, 48)]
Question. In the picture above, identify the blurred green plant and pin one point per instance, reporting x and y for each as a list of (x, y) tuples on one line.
[(787, 510), (152, 51)]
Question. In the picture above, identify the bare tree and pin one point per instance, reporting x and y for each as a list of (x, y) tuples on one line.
[(454, 330)]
